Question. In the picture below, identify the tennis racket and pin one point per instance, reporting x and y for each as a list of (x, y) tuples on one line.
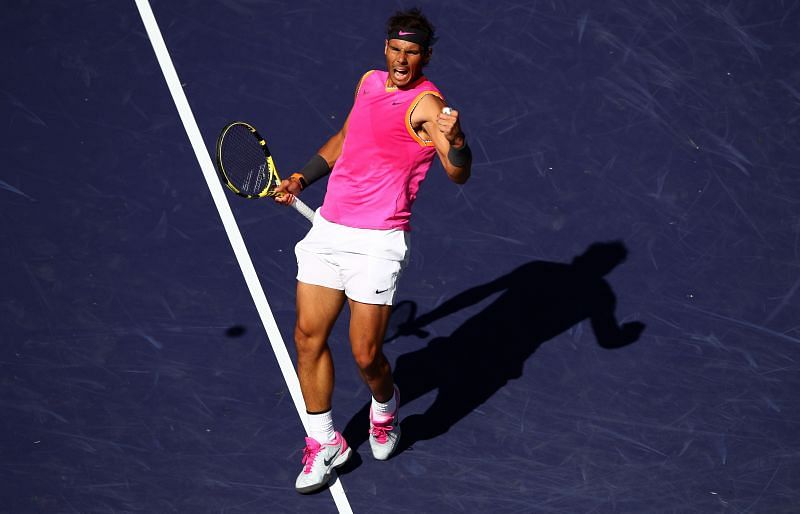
[(245, 165)]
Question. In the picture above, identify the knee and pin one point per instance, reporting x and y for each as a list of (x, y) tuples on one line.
[(370, 361), (307, 343)]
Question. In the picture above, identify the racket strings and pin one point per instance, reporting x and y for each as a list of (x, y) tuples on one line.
[(244, 162)]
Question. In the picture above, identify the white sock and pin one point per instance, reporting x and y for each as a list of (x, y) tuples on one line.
[(320, 426), (382, 411)]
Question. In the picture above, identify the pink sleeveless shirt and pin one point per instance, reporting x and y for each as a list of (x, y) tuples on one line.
[(383, 161)]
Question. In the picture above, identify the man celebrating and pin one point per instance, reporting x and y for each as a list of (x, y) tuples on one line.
[(359, 242)]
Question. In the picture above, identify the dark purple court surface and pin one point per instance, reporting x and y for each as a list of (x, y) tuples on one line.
[(607, 315)]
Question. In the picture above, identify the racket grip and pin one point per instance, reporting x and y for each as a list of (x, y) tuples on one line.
[(303, 209)]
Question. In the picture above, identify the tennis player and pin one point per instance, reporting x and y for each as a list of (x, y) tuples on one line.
[(359, 242)]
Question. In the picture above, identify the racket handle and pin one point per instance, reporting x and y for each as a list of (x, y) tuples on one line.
[(303, 209)]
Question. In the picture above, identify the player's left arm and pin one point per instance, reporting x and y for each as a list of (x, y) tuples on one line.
[(448, 138)]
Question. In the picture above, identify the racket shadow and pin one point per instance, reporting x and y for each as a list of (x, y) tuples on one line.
[(537, 301)]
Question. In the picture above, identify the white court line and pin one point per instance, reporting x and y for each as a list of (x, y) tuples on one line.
[(231, 228)]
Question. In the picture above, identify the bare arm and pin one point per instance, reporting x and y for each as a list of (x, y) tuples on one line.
[(330, 151), (445, 132)]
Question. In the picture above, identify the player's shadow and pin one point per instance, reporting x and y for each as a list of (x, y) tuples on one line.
[(537, 301)]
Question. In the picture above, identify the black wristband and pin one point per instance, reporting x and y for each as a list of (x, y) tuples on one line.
[(315, 169), (460, 157)]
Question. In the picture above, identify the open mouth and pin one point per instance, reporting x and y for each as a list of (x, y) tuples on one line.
[(400, 74)]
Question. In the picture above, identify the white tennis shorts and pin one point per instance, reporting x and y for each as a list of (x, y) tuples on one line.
[(364, 263)]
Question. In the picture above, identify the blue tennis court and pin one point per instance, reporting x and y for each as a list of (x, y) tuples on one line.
[(606, 313)]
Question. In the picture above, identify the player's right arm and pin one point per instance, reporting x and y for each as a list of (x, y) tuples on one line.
[(329, 153), (319, 165), (331, 150)]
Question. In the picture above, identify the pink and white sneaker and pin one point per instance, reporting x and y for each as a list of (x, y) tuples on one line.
[(319, 459), (384, 434)]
